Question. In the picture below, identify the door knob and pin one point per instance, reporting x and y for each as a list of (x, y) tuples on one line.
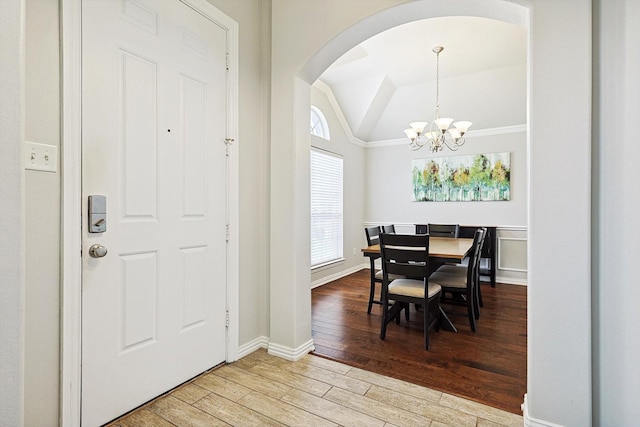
[(97, 251)]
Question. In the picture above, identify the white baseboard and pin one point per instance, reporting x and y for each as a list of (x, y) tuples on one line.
[(278, 350), (253, 345), (511, 280), (288, 353), (533, 422), (343, 273), (338, 275)]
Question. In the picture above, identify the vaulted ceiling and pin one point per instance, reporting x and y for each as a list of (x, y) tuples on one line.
[(389, 80)]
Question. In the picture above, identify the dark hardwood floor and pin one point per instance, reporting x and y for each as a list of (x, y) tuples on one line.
[(488, 366)]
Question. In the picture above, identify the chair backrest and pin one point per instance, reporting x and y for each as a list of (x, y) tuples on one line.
[(372, 234), (444, 230), (488, 250), (389, 229), (405, 255), (483, 249), (473, 269), (422, 229)]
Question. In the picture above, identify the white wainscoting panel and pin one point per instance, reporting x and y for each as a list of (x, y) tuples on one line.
[(513, 254), (511, 250)]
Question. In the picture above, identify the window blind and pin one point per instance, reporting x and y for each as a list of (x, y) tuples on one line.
[(326, 207)]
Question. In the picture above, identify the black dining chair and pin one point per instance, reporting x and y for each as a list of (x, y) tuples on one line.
[(422, 228), (408, 255), (389, 229), (460, 283), (461, 269), (444, 230), (373, 238), (373, 235)]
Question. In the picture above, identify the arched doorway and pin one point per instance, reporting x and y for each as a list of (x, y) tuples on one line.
[(559, 364), (400, 58)]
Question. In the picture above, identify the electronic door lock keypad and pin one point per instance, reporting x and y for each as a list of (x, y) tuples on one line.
[(97, 214)]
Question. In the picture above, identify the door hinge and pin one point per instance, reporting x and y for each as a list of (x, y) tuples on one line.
[(227, 232), (227, 61), (228, 142), (226, 319)]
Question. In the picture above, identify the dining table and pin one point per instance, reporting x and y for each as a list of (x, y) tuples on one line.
[(441, 250)]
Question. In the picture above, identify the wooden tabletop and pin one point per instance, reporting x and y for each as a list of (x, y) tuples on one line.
[(439, 247)]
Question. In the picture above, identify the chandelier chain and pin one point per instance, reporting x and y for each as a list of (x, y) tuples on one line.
[(437, 83)]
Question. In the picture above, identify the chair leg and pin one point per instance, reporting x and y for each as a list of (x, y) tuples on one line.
[(427, 318), (383, 327), (471, 314), (431, 317), (476, 305), (371, 293), (389, 314), (405, 307)]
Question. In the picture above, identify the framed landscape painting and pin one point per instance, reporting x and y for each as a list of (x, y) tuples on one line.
[(476, 177)]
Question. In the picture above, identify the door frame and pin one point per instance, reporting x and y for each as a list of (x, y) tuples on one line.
[(71, 174)]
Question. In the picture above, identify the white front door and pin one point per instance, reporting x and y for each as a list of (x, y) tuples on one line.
[(154, 96)]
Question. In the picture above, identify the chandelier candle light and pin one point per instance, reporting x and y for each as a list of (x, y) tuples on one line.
[(439, 134)]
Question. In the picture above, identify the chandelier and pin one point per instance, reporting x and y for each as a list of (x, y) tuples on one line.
[(439, 134)]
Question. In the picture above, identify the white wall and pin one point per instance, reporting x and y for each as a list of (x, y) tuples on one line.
[(389, 192), (616, 205), (559, 334), (42, 223), (298, 32), (254, 22), (354, 192), (11, 213)]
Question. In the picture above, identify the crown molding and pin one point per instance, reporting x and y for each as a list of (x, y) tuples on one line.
[(324, 88), (497, 131)]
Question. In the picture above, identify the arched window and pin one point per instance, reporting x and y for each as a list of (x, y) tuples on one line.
[(319, 126)]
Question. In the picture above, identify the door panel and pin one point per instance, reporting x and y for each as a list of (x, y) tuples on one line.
[(139, 142), (154, 121)]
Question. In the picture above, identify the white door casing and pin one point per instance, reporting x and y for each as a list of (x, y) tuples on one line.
[(155, 104)]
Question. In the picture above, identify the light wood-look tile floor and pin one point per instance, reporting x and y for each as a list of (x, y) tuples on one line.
[(263, 390)]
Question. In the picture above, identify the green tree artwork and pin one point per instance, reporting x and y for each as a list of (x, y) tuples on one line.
[(479, 177)]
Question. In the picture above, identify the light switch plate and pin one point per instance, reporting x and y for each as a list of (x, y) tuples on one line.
[(41, 157)]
